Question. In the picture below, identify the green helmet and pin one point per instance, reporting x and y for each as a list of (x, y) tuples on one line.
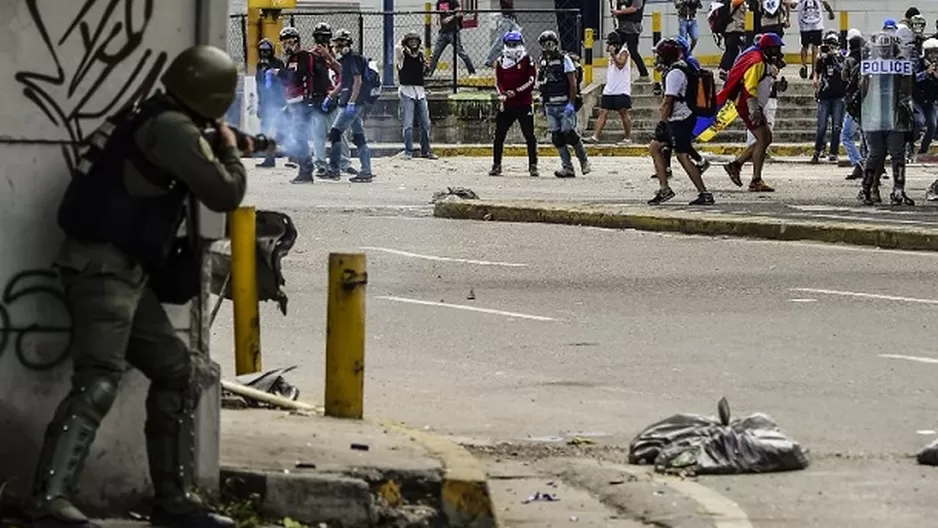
[(203, 79)]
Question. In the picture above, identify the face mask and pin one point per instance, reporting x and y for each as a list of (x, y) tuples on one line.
[(514, 54), (413, 45)]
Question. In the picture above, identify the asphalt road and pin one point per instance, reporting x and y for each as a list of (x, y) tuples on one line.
[(579, 331)]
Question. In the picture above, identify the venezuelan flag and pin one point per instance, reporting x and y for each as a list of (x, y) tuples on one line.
[(708, 127)]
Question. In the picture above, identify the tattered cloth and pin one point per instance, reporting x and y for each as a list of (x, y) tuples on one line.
[(705, 445)]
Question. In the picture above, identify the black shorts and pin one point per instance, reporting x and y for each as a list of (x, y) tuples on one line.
[(811, 38), (682, 135), (778, 29), (615, 102)]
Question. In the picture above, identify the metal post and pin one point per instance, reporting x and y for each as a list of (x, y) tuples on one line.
[(456, 38), (244, 41), (361, 34), (588, 56), (750, 28), (844, 27), (655, 39), (388, 79), (244, 291), (345, 336), (427, 29)]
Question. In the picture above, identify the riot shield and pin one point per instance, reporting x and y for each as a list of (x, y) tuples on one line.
[(887, 73)]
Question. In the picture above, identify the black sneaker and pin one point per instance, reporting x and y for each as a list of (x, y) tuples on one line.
[(429, 156), (321, 172), (703, 165), (362, 177), (704, 198), (815, 159), (350, 171), (303, 178), (496, 170), (900, 198), (532, 170), (565, 173), (661, 196), (332, 174), (268, 163), (803, 72)]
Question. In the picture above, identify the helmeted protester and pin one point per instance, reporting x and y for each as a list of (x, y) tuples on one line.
[(515, 75)]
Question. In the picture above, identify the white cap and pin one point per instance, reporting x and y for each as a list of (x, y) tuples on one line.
[(853, 33)]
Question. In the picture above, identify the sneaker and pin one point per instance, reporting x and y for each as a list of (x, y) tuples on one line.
[(857, 173), (865, 197), (703, 165), (898, 197), (565, 173), (833, 158), (321, 172), (592, 140), (496, 170), (333, 174), (267, 163), (407, 155), (362, 177), (350, 171), (585, 167), (625, 142), (661, 196), (733, 170), (429, 156), (656, 89), (703, 198), (815, 159), (803, 72), (759, 186), (532, 170)]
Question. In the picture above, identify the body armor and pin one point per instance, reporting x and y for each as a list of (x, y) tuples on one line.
[(554, 86), (887, 73)]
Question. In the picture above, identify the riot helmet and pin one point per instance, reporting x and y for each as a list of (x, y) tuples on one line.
[(667, 52), (322, 33), (290, 39), (412, 40), (549, 41), (265, 50), (203, 79)]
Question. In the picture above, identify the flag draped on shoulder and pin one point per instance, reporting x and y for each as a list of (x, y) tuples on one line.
[(708, 127)]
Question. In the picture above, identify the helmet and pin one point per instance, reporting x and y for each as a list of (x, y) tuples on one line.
[(203, 79), (890, 23), (685, 46), (322, 33), (930, 48), (513, 37), (917, 24), (549, 40), (853, 33), (289, 32), (668, 51), (265, 45), (614, 39), (769, 40), (343, 35), (911, 12), (411, 36), (832, 38)]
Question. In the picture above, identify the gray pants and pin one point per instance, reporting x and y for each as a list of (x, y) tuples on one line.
[(443, 40), (880, 143)]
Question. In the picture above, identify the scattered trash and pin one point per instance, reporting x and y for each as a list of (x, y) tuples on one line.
[(616, 482), (544, 497), (929, 455), (270, 381), (659, 493), (925, 432), (359, 447), (573, 518), (453, 194), (472, 295), (579, 440), (138, 517), (695, 444), (305, 465), (551, 484)]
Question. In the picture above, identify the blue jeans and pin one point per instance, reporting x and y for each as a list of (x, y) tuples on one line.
[(562, 124), (850, 129), (688, 29), (832, 109), (408, 106), (926, 117), (301, 115), (442, 41), (322, 122), (505, 25), (355, 121)]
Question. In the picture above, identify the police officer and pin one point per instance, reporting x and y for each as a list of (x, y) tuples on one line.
[(296, 77), (886, 113), (120, 214), (269, 93), (558, 86)]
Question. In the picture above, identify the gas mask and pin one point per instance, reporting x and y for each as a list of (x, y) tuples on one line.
[(265, 53), (413, 45), (340, 48), (290, 45), (514, 53)]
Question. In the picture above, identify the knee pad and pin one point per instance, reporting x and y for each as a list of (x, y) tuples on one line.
[(358, 140), (571, 137), (335, 135), (94, 394), (557, 139)]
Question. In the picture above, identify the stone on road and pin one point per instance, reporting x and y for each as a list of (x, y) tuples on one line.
[(597, 333)]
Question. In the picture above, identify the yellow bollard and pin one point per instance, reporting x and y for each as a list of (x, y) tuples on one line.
[(588, 43), (345, 336), (750, 28), (655, 38), (247, 327), (844, 27), (427, 29)]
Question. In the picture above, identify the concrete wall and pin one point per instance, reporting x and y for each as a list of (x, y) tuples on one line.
[(65, 65)]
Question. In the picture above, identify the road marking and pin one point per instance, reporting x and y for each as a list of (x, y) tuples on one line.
[(724, 512), (467, 308), (802, 300), (867, 295), (444, 259), (918, 359)]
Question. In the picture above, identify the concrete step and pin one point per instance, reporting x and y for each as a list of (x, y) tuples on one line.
[(794, 88), (785, 112), (614, 123)]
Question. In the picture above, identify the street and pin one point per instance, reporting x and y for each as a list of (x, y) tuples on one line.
[(532, 334)]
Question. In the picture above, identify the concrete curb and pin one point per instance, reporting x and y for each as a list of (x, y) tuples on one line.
[(711, 224), (639, 150), (465, 496)]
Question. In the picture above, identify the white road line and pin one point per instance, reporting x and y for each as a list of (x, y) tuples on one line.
[(918, 359), (467, 308), (867, 295), (444, 259), (802, 300), (724, 512)]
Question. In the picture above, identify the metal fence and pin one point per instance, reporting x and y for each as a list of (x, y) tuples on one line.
[(480, 29)]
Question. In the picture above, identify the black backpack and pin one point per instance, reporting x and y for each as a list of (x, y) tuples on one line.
[(701, 92), (720, 19)]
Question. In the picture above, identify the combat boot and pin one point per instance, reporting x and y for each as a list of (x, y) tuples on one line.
[(898, 197), (869, 187)]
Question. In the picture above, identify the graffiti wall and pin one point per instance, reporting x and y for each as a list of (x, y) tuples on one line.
[(65, 66)]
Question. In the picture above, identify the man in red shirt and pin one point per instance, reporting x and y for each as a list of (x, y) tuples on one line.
[(515, 74)]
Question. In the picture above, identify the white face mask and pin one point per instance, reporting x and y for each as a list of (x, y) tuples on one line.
[(514, 54)]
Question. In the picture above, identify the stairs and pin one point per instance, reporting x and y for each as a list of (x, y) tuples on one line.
[(795, 122)]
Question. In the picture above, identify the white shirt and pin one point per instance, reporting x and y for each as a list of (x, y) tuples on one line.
[(618, 81), (810, 17), (675, 84), (412, 92)]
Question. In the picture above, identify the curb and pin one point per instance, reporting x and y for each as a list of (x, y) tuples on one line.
[(714, 224), (465, 496), (611, 150)]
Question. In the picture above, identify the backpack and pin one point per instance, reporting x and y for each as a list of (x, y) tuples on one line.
[(371, 80), (719, 19), (701, 91)]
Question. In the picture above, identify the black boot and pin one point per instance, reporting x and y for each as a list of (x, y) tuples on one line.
[(268, 163), (898, 196), (866, 190), (857, 172)]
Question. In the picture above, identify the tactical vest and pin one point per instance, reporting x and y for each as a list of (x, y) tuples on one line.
[(98, 208), (412, 71), (555, 88), (320, 82)]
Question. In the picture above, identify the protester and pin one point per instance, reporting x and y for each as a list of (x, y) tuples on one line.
[(411, 65), (926, 93), (687, 20), (617, 92), (353, 99), (775, 17), (557, 83), (451, 16), (296, 79), (779, 84), (811, 24), (853, 99), (628, 14), (515, 75), (733, 35), (324, 73), (676, 124), (829, 91), (749, 85), (506, 23), (270, 98)]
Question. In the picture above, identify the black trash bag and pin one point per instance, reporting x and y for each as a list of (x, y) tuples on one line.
[(703, 445), (276, 235), (929, 455)]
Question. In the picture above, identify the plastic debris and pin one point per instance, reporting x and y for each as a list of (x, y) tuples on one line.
[(929, 455), (304, 465), (543, 497), (453, 194), (579, 440), (696, 444), (359, 447)]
